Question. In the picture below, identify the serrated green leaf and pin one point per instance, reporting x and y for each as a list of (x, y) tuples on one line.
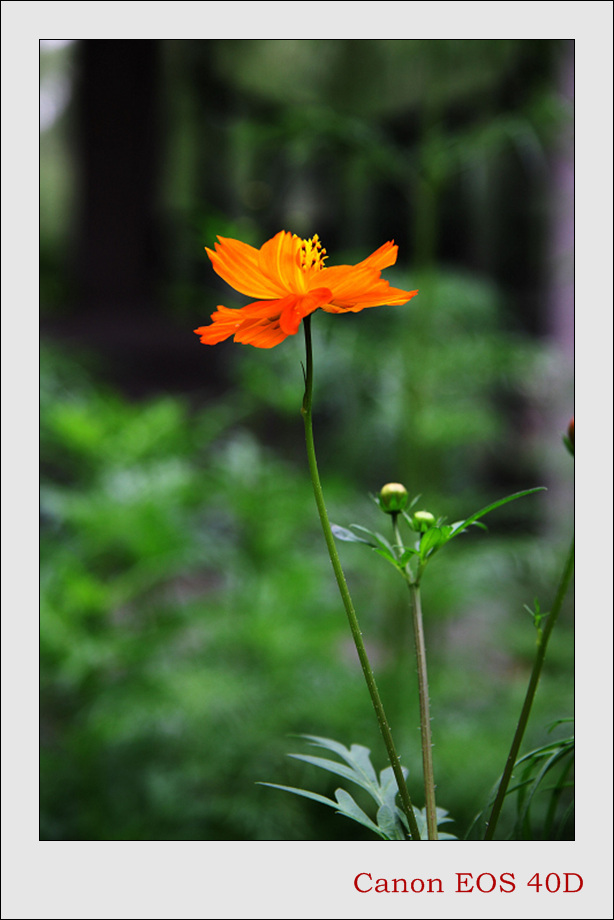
[(339, 769), (388, 791), (361, 758), (359, 770), (442, 818), (347, 806), (420, 815), (389, 824), (328, 744), (357, 757), (304, 792), (388, 785)]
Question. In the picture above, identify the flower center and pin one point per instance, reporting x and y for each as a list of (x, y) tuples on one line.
[(312, 254)]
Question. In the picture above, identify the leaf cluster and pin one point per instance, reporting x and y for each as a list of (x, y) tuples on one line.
[(544, 789), (425, 545), (389, 822)]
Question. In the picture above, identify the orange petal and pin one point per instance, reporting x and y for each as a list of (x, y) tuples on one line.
[(382, 295), (224, 324), (279, 259), (266, 309), (300, 307), (361, 286), (382, 258), (238, 264), (343, 279), (347, 280), (261, 333), (257, 323)]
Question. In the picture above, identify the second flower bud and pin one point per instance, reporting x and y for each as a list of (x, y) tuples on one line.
[(422, 521)]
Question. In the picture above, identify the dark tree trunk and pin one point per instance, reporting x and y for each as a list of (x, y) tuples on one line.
[(120, 269), (117, 247)]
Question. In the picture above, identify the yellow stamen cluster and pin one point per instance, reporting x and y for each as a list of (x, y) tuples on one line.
[(312, 254)]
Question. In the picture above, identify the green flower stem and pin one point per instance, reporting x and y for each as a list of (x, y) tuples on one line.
[(306, 412), (542, 644), (423, 695)]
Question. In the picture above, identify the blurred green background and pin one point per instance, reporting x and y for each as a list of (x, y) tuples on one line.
[(190, 623)]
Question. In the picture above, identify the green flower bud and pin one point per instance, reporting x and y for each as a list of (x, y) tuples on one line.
[(422, 521), (393, 497)]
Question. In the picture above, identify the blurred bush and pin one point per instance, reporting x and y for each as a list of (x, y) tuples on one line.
[(189, 617)]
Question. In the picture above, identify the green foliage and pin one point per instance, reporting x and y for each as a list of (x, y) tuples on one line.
[(390, 822), (189, 620), (166, 656), (426, 545), (542, 794)]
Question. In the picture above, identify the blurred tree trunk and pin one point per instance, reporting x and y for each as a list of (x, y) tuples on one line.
[(117, 243), (121, 271)]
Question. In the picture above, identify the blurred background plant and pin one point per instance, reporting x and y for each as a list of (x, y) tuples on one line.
[(189, 618)]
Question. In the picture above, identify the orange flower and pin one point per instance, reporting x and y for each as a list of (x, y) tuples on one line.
[(288, 277)]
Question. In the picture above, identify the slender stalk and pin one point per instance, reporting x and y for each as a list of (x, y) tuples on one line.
[(306, 412), (542, 644), (423, 695)]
